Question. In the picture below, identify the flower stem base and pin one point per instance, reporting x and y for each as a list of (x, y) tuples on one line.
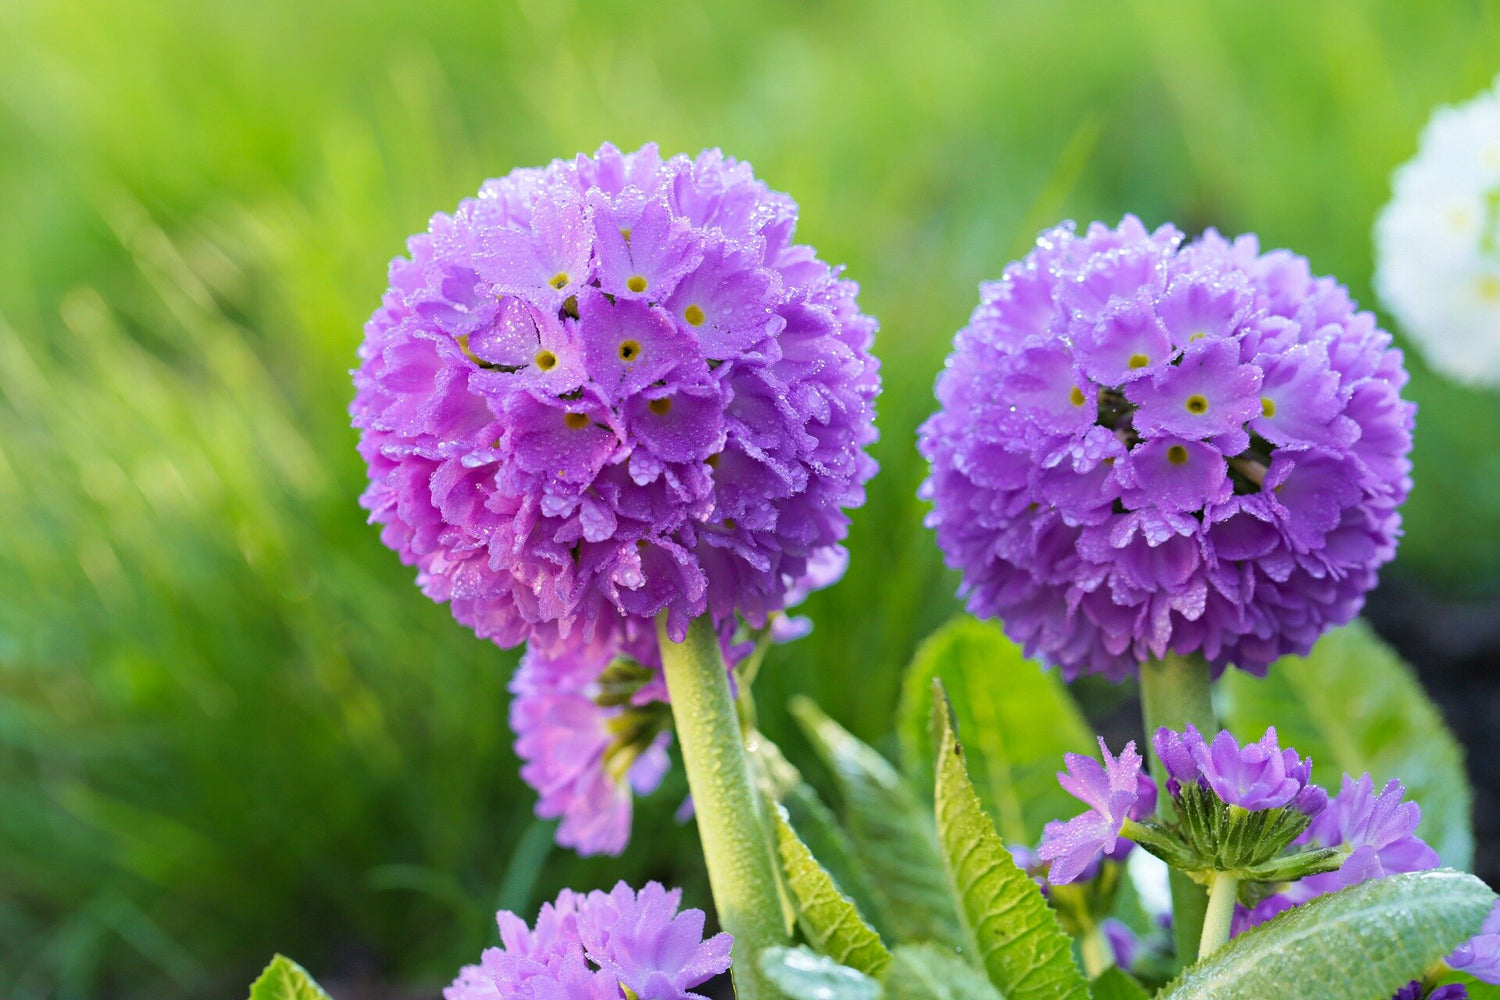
[(731, 823)]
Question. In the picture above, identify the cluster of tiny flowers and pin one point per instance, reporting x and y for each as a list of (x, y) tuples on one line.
[(584, 771), (599, 946), (1437, 243), (614, 387), (1145, 446), (1375, 833)]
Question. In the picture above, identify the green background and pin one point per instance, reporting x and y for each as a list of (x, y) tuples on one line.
[(229, 723)]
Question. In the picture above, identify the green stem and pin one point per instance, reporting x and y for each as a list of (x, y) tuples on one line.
[(1216, 922), (730, 820), (1174, 692)]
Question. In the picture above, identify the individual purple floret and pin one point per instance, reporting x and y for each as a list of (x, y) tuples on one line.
[(1258, 776), (564, 740), (602, 946), (1122, 941), (1415, 991), (613, 387), (1115, 791), (1480, 955), (1378, 833), (1144, 447)]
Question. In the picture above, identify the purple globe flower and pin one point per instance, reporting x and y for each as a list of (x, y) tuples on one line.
[(1258, 776), (1146, 447), (588, 750), (614, 387), (1114, 791), (602, 946)]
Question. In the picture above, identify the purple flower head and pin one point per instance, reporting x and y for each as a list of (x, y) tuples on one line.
[(1414, 990), (1122, 941), (1480, 955), (1258, 776), (602, 946), (572, 755), (1146, 447), (1114, 791), (613, 387)]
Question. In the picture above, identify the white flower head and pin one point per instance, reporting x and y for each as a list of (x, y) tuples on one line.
[(1437, 243)]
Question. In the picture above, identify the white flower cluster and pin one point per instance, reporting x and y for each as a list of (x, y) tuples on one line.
[(1437, 244)]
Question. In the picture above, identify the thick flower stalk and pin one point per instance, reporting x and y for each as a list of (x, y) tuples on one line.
[(1148, 448), (1437, 243), (599, 946), (613, 388)]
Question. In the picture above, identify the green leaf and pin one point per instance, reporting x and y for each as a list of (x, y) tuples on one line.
[(286, 980), (890, 829), (1355, 707), (1018, 720), (818, 828), (1362, 942), (829, 919), (802, 973), (932, 972), (1117, 984), (1014, 933)]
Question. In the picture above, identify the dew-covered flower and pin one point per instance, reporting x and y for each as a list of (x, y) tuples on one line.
[(614, 387), (1146, 447), (1114, 791), (599, 946), (1257, 776), (591, 735), (1437, 243)]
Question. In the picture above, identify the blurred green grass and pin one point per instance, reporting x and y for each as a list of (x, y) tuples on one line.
[(228, 721)]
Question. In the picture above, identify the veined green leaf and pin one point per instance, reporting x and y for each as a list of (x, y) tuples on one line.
[(1018, 721), (285, 980), (1117, 984), (1354, 706), (932, 972), (1362, 942), (890, 829), (802, 973), (830, 920), (1014, 933)]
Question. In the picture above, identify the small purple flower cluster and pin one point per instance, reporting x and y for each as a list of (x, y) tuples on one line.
[(1376, 833), (599, 946), (614, 387), (1146, 447), (570, 754)]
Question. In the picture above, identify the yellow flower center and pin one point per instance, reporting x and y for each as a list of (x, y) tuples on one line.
[(1177, 455), (636, 283), (630, 350), (661, 407), (693, 315), (1076, 396), (575, 421), (1267, 406), (1196, 404), (559, 280), (545, 360), (1138, 360)]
